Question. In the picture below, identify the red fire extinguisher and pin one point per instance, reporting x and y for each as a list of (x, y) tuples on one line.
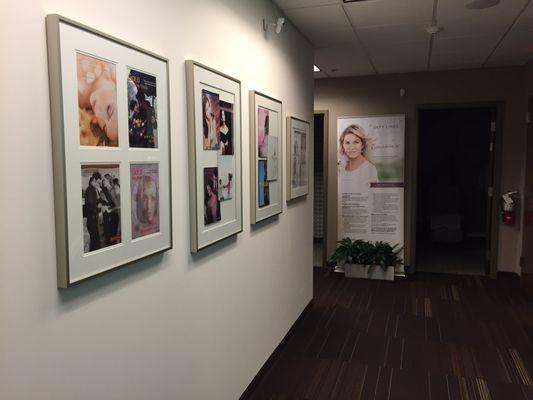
[(509, 208)]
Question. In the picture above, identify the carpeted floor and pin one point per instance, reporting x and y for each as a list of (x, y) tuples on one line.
[(431, 336)]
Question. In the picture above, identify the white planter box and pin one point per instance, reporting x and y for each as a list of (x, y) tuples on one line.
[(368, 272)]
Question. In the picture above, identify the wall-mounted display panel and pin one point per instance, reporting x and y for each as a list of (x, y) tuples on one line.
[(265, 156), (111, 150), (370, 178), (298, 137), (215, 154)]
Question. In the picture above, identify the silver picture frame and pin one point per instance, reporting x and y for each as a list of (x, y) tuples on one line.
[(83, 251), (266, 167), (298, 138), (215, 165)]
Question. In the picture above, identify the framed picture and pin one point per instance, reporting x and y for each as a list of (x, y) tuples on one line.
[(215, 171), (298, 136), (111, 150), (265, 162)]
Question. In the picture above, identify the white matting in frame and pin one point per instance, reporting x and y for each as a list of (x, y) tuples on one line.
[(215, 153), (298, 137), (95, 104), (266, 127)]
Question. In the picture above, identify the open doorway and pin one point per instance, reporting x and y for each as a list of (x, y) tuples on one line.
[(454, 189), (320, 185)]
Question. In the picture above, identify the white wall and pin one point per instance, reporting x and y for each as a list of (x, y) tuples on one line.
[(173, 326)]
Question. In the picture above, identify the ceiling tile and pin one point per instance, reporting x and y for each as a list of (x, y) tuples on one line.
[(525, 22), (450, 60), (400, 57), (473, 27), (516, 47), (450, 66), (332, 38), (481, 45), (288, 4), (322, 25), (505, 10), (458, 21), (389, 12), (389, 34), (347, 60)]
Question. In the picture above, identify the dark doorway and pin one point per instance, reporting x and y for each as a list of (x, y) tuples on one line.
[(455, 173), (319, 211)]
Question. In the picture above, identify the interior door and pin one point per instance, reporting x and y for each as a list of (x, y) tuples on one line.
[(491, 269), (527, 234)]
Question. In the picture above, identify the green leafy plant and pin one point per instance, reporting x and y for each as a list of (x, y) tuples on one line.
[(362, 252), (386, 255)]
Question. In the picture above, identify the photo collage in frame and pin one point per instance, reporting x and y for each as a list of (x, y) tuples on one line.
[(218, 135), (111, 140), (266, 130), (213, 106)]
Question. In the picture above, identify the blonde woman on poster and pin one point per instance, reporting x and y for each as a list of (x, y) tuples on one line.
[(355, 171)]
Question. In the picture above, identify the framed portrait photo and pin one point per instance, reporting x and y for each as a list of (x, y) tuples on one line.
[(298, 137), (111, 150), (215, 154), (266, 127)]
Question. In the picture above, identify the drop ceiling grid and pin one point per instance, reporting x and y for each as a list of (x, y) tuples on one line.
[(388, 12), (391, 35)]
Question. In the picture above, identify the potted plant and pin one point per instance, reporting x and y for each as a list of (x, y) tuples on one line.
[(363, 259)]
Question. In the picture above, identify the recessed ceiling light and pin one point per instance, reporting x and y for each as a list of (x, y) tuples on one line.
[(316, 69), (481, 4)]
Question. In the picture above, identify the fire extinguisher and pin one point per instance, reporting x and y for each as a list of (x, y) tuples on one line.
[(509, 208)]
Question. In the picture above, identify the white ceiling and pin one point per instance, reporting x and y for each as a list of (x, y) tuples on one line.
[(389, 36)]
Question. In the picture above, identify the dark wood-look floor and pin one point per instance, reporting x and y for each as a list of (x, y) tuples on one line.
[(430, 336)]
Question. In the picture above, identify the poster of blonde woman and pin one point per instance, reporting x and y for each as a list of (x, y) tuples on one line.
[(370, 171)]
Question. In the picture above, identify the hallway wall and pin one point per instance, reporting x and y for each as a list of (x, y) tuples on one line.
[(374, 95), (173, 326)]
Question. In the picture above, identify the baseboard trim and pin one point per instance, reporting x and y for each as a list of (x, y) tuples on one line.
[(250, 390)]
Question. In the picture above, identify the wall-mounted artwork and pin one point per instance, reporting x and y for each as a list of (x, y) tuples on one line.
[(214, 135), (111, 150), (142, 107), (265, 148), (298, 136)]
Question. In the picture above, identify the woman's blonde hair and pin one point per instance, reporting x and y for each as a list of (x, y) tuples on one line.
[(356, 130)]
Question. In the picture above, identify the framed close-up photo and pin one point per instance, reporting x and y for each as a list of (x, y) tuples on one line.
[(111, 150), (215, 153), (266, 125), (298, 137)]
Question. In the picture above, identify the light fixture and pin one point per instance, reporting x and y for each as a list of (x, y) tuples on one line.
[(278, 24), (316, 69), (481, 4)]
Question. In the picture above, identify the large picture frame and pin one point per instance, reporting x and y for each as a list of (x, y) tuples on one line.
[(266, 183), (110, 120), (215, 155), (298, 137)]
